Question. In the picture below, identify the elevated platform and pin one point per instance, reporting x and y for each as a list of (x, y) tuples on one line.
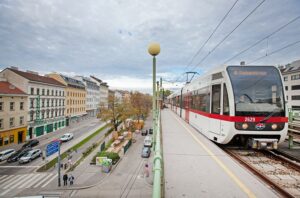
[(196, 167)]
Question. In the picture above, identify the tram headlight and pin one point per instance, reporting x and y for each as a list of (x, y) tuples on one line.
[(274, 126), (245, 126)]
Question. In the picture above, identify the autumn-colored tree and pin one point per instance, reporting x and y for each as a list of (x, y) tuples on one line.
[(113, 112), (141, 104)]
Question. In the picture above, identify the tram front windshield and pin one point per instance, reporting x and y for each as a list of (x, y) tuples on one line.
[(257, 90)]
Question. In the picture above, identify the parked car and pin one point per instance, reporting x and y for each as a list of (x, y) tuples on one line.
[(17, 155), (30, 155), (151, 131), (144, 132), (6, 154), (146, 152), (148, 141), (66, 137), (31, 143)]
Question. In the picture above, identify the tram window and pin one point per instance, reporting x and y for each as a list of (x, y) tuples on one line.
[(216, 96), (225, 101)]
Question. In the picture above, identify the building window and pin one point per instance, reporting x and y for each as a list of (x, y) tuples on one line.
[(1, 106), (21, 120), (47, 92), (43, 91), (48, 101), (285, 78), (11, 139), (1, 123), (31, 116), (43, 102), (11, 122), (21, 105), (52, 103), (295, 77), (12, 106), (32, 91), (297, 97), (287, 97), (31, 103), (37, 91), (52, 92), (295, 87), (56, 92), (47, 114), (286, 88)]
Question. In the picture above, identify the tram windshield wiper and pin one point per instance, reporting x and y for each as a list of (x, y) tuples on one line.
[(270, 115)]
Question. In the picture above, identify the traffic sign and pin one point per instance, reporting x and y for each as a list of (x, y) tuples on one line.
[(52, 148)]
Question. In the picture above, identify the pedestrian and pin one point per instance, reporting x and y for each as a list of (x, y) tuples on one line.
[(65, 178), (71, 179), (146, 170)]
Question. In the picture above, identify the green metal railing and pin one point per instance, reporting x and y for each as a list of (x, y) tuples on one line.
[(157, 160)]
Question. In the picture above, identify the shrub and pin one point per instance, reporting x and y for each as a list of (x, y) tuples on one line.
[(113, 156)]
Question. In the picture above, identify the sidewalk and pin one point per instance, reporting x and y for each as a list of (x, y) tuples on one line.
[(127, 172)]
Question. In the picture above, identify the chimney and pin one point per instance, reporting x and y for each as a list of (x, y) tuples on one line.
[(32, 72), (242, 63), (14, 67)]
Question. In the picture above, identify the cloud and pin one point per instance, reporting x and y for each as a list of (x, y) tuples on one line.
[(110, 38)]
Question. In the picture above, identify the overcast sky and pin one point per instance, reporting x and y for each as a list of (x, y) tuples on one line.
[(109, 39)]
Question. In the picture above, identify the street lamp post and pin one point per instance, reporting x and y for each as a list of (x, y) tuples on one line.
[(154, 49)]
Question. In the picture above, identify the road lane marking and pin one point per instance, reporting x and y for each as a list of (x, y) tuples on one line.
[(19, 166), (45, 178), (35, 181), (50, 180), (4, 192), (28, 181), (7, 178), (219, 162), (1, 177), (16, 179), (21, 181)]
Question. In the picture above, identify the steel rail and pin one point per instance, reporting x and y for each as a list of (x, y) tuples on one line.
[(272, 184)]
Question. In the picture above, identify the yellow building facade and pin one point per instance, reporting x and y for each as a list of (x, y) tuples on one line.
[(13, 115), (75, 97)]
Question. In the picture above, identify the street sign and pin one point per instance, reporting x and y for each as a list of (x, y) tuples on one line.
[(52, 148)]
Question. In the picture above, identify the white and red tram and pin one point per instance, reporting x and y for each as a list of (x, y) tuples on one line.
[(242, 104)]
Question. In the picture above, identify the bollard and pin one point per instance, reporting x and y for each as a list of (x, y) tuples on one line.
[(290, 142)]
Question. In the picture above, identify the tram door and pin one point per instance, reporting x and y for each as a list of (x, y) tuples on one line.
[(187, 100), (215, 122)]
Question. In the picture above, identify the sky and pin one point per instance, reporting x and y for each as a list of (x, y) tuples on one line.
[(109, 39)]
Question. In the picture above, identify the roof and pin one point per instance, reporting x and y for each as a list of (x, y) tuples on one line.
[(73, 82), (37, 78), (7, 88), (290, 69)]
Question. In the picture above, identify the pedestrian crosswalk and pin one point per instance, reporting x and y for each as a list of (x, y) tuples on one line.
[(33, 180)]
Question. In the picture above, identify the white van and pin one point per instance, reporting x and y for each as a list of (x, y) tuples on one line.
[(148, 141), (6, 154)]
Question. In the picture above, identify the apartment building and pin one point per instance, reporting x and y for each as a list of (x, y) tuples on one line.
[(291, 80), (92, 95), (13, 114), (75, 97), (103, 88), (46, 100)]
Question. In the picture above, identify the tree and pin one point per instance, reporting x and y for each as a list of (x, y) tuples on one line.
[(111, 113), (141, 104)]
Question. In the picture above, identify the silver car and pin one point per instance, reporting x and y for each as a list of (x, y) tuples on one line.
[(30, 155)]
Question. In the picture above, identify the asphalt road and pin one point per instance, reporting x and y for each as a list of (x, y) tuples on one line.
[(78, 129)]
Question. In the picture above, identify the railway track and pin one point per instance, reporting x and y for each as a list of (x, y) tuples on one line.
[(280, 173)]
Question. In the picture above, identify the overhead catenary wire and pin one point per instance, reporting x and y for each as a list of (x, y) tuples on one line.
[(219, 24), (216, 46), (266, 37), (275, 51), (203, 45)]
